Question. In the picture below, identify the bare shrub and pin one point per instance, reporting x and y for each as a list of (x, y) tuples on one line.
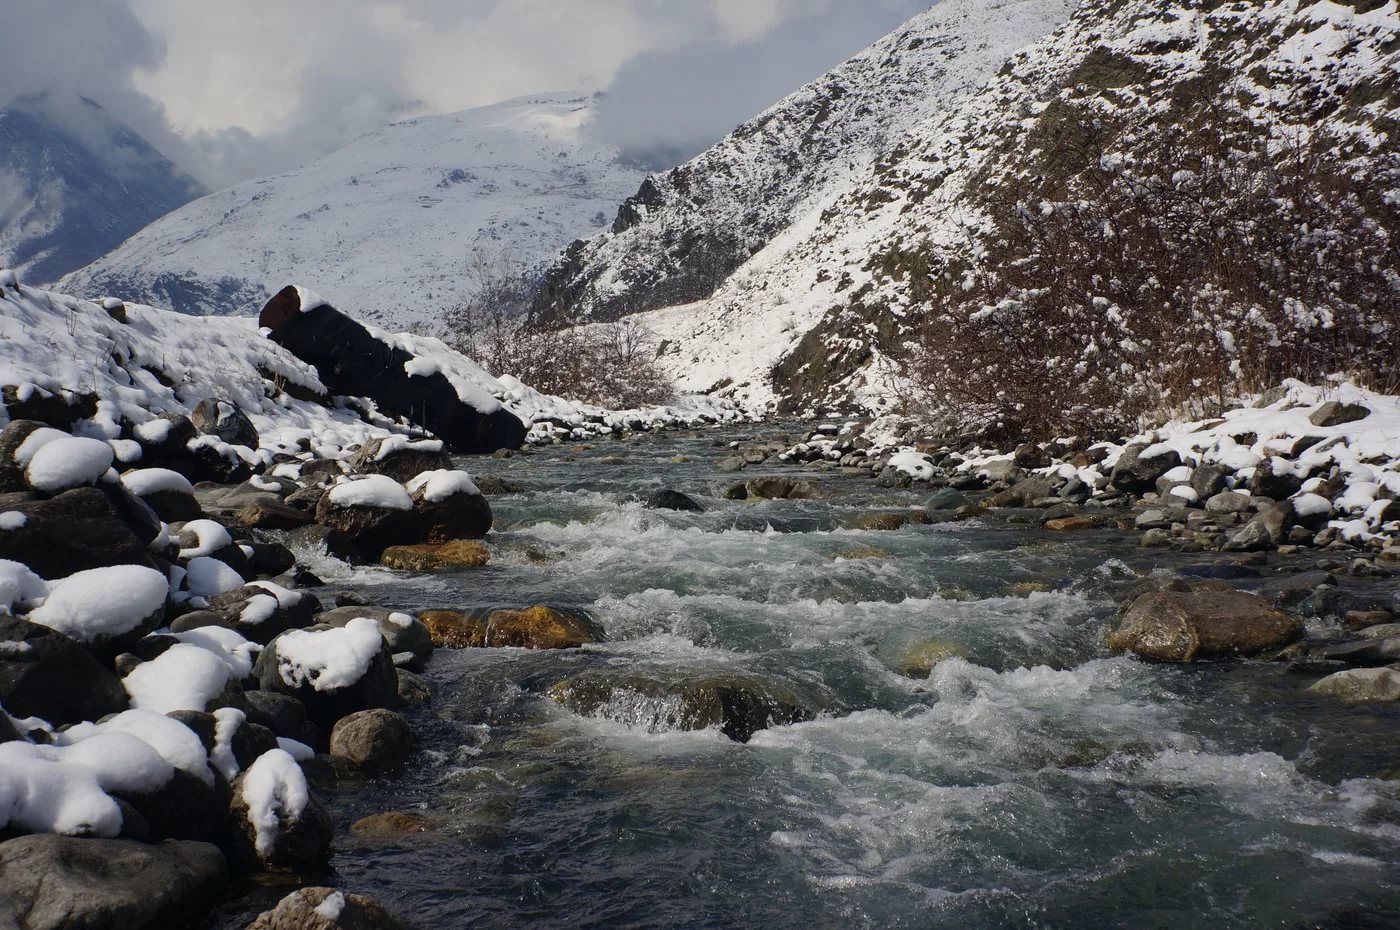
[(612, 365), (1180, 263)]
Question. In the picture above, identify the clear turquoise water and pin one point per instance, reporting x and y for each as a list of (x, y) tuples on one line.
[(1036, 782)]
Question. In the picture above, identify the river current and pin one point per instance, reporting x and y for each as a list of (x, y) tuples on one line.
[(1032, 780)]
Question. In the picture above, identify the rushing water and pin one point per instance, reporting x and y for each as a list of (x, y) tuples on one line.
[(1035, 781)]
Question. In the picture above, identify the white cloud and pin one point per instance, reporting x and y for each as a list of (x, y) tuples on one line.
[(230, 90)]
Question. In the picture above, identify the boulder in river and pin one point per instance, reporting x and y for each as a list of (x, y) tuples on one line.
[(277, 823), (668, 499), (64, 883), (737, 704), (373, 513), (353, 362), (540, 628), (326, 909), (400, 457), (374, 740), (451, 505), (453, 629), (1361, 685), (428, 557), (1181, 626)]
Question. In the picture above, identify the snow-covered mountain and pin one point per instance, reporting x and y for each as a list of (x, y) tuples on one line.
[(387, 226), (75, 186), (807, 319), (685, 231)]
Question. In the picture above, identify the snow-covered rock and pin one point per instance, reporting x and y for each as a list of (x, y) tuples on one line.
[(106, 607), (183, 677), (278, 822), (334, 672)]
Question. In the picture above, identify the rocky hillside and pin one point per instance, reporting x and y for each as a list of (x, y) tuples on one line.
[(814, 316), (686, 231), (68, 198), (387, 226)]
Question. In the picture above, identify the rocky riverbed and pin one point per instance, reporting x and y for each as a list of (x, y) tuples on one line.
[(668, 688)]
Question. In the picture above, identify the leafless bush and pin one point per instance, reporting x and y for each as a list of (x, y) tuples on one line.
[(612, 365), (1179, 264)]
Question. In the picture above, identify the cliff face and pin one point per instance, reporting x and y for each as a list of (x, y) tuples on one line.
[(686, 231)]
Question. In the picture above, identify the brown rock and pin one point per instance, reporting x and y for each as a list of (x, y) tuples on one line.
[(427, 557), (374, 740), (538, 628), (1181, 626), (888, 520), (272, 515), (1069, 524), (306, 909), (391, 825), (451, 629)]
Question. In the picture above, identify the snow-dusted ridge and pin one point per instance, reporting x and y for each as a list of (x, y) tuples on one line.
[(393, 217)]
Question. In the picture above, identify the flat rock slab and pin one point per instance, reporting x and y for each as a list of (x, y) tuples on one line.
[(1181, 626), (52, 882)]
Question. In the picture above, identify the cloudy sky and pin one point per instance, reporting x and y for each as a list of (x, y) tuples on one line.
[(232, 89)]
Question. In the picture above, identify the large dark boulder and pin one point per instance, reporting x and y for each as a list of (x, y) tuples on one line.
[(371, 529), (352, 362), (453, 510), (75, 531), (64, 883), (225, 420), (400, 458), (45, 674)]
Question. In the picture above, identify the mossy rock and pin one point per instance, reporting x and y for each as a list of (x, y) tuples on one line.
[(919, 658), (540, 628), (888, 520), (452, 629), (737, 704), (428, 557)]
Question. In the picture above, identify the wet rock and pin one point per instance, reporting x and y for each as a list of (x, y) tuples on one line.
[(45, 674), (391, 825), (400, 458), (270, 559), (451, 629), (888, 520), (1024, 493), (667, 499), (918, 659), (413, 689), (1361, 685), (1135, 472), (225, 420), (326, 539), (946, 499), (282, 714), (736, 704), (1155, 538), (736, 492), (307, 909), (1336, 413), (271, 514), (75, 531), (779, 488), (1070, 524), (539, 628), (65, 883), (1176, 626), (428, 557), (1367, 652), (374, 740), (732, 464)]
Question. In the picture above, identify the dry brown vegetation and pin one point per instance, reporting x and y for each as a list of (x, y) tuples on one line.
[(1181, 263)]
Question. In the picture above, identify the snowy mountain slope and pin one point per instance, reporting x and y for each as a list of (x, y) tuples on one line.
[(385, 226), (67, 199), (803, 322), (685, 231)]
